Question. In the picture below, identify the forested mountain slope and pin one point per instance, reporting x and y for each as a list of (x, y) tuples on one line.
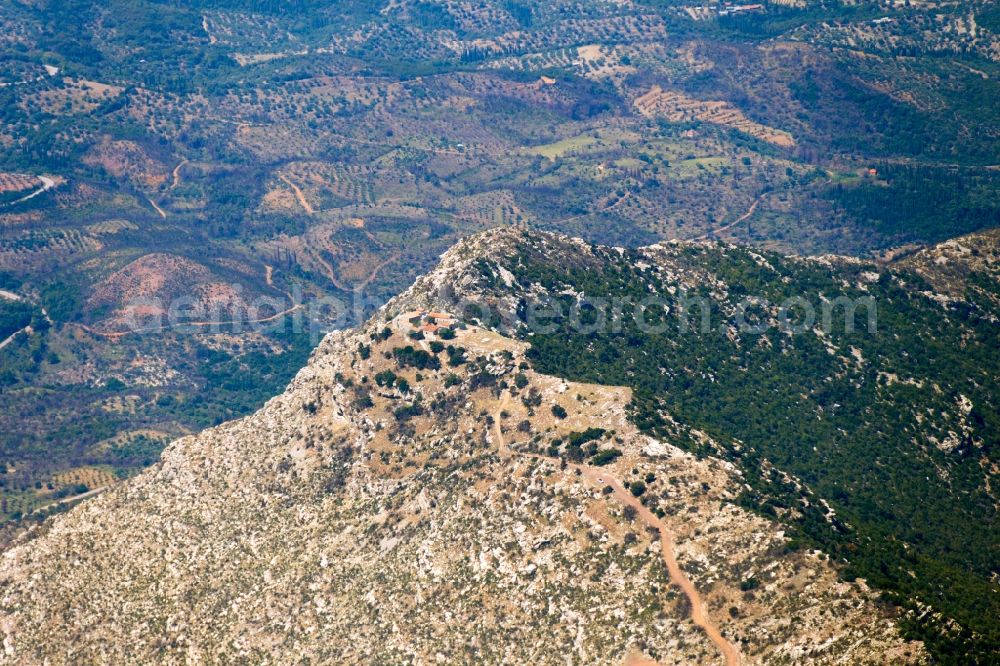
[(441, 486), (876, 441)]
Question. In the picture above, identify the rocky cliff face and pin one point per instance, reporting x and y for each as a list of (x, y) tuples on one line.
[(417, 501)]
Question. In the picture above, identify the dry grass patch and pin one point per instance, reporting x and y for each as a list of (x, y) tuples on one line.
[(77, 96)]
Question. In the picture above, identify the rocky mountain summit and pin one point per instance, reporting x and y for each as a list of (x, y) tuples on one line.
[(428, 490)]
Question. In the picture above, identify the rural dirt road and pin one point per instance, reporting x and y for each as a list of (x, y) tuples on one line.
[(737, 221), (159, 210), (74, 498), (11, 296), (116, 335), (360, 286), (10, 338), (298, 194), (47, 184), (176, 174), (600, 477), (364, 283)]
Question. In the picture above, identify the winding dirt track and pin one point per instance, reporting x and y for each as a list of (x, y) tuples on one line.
[(47, 184), (74, 498), (360, 286), (298, 194), (698, 615), (176, 174), (737, 221), (10, 338), (159, 210), (364, 284), (601, 477), (116, 335), (328, 269)]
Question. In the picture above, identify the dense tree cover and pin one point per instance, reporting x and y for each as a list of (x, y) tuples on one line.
[(988, 17), (230, 198), (605, 457), (231, 385), (14, 315), (9, 281), (241, 384), (923, 204), (583, 445), (850, 116), (913, 519), (408, 356), (521, 11), (62, 300), (779, 19), (21, 359)]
